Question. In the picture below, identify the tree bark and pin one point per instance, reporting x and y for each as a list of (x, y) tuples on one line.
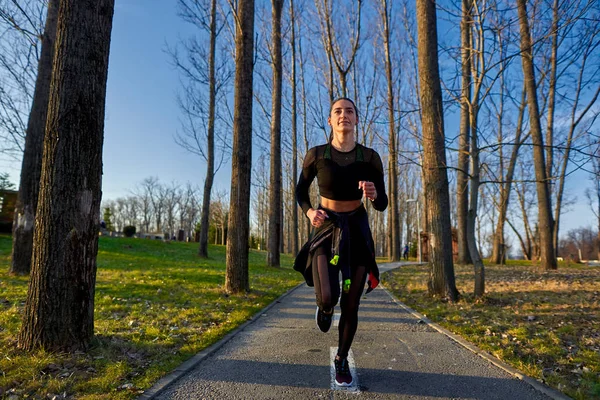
[(441, 278), (499, 247), (295, 227), (393, 156), (462, 176), (236, 279), (478, 268), (59, 310), (275, 205), (210, 135), (31, 167), (552, 94), (548, 257)]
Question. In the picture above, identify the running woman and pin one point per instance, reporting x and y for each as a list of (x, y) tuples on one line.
[(341, 240)]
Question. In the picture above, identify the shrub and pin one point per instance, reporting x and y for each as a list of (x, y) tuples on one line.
[(129, 231)]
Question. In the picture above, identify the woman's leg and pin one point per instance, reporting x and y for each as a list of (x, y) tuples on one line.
[(327, 289), (349, 305)]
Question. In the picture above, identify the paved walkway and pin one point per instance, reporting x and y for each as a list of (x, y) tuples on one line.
[(396, 354)]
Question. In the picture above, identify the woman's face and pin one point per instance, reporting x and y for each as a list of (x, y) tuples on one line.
[(342, 118)]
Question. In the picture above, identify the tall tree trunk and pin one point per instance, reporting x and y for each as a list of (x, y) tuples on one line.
[(578, 114), (498, 247), (307, 225), (595, 191), (441, 278), (552, 94), (393, 157), (59, 310), (238, 229), (31, 167), (478, 267), (210, 135), (295, 228), (548, 257), (275, 204), (462, 177)]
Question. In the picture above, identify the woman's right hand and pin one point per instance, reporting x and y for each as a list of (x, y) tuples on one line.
[(317, 217)]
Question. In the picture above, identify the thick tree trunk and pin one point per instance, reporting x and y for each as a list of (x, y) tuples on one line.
[(548, 257), (210, 151), (441, 280), (236, 279), (31, 167), (462, 177), (59, 310), (393, 157), (295, 227), (275, 205)]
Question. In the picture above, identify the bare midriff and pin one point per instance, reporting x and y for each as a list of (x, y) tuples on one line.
[(340, 205)]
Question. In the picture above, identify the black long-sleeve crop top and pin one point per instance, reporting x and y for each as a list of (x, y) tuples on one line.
[(338, 174)]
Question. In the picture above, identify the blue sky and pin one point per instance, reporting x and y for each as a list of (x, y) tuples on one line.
[(142, 115), (141, 112)]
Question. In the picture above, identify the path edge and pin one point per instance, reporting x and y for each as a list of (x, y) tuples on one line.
[(160, 385), (545, 389)]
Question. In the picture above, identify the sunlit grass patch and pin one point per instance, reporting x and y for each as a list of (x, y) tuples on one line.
[(544, 323), (156, 305)]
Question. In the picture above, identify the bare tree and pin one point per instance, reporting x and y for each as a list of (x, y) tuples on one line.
[(545, 223), (31, 166), (219, 216), (294, 105), (236, 279), (392, 147), (581, 78), (201, 70), (441, 280), (261, 195), (141, 196), (335, 51), (22, 31), (462, 176), (154, 192), (275, 204), (506, 181), (172, 197), (188, 209), (59, 310), (593, 194)]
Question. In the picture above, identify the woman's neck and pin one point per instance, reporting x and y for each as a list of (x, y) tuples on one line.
[(345, 143)]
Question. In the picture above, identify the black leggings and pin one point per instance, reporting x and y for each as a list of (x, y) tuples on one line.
[(327, 290)]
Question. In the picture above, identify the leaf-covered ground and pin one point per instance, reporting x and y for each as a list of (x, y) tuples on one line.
[(157, 304), (544, 323)]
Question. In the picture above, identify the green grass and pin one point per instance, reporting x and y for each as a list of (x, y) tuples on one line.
[(157, 304), (544, 323)]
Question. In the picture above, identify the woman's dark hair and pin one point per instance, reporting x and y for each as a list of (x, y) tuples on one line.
[(331, 108)]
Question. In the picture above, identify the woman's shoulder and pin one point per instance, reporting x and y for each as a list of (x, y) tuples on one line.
[(368, 152), (317, 150), (314, 154), (319, 147)]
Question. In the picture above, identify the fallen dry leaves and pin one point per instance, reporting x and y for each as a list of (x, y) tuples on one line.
[(544, 323)]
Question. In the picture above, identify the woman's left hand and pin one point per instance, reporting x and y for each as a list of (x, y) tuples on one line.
[(368, 189)]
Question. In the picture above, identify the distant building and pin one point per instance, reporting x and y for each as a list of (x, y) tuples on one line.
[(8, 202)]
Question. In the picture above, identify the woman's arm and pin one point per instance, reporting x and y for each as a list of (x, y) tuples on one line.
[(381, 201), (307, 175)]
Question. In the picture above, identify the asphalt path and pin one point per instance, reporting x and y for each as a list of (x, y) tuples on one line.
[(396, 354)]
